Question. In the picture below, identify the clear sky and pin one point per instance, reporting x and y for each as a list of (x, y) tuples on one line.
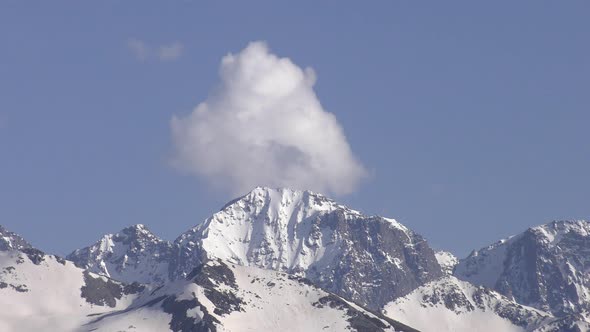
[(471, 118)]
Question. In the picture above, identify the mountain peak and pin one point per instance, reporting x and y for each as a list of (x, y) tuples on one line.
[(447, 261), (556, 229), (544, 267), (137, 232), (137, 228), (132, 254), (283, 200), (12, 241), (309, 235)]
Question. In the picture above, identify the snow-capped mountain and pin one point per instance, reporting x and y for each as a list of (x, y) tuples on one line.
[(368, 259), (11, 241), (134, 254), (545, 267), (452, 305), (40, 292), (568, 323), (219, 296), (447, 261), (281, 259)]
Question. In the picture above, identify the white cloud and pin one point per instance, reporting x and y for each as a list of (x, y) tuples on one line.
[(143, 51), (264, 126), (170, 52)]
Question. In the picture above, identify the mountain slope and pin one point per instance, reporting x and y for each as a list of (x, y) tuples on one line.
[(222, 297), (41, 292), (545, 267), (134, 254), (11, 241), (452, 305), (447, 261), (370, 260)]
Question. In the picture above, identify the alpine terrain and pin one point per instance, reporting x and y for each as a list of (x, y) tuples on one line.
[(288, 260)]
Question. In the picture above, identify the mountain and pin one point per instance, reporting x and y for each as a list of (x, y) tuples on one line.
[(568, 323), (134, 254), (217, 296), (11, 241), (368, 259), (452, 305), (40, 292), (447, 261), (281, 259), (545, 267)]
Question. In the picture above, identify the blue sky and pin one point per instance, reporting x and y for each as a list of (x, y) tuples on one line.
[(471, 118)]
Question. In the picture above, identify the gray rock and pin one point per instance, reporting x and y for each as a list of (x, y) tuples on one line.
[(545, 267), (134, 254), (12, 241)]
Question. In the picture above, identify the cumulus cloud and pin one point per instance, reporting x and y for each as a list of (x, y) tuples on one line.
[(264, 126), (143, 51)]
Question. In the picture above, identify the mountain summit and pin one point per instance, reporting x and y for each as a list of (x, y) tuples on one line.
[(368, 259), (133, 254), (307, 262), (11, 241), (545, 267)]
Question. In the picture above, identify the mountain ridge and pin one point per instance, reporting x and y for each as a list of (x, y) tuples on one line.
[(367, 261), (544, 267)]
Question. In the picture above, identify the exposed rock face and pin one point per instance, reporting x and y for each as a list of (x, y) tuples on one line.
[(545, 267), (371, 260), (11, 241), (102, 291), (132, 255), (40, 292), (452, 305), (217, 296), (368, 259), (568, 323), (265, 254)]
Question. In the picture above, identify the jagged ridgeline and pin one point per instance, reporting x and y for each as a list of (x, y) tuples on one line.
[(370, 260), (287, 260)]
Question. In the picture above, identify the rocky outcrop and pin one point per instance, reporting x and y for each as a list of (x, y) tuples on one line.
[(545, 267), (368, 259), (134, 254)]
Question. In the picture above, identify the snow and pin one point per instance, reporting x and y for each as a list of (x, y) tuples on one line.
[(267, 228), (489, 264), (261, 235), (555, 231), (396, 224), (273, 229), (295, 312), (111, 256), (53, 297), (146, 319), (484, 267), (415, 310), (271, 301), (447, 261)]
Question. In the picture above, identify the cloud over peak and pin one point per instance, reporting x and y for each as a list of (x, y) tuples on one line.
[(264, 125)]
